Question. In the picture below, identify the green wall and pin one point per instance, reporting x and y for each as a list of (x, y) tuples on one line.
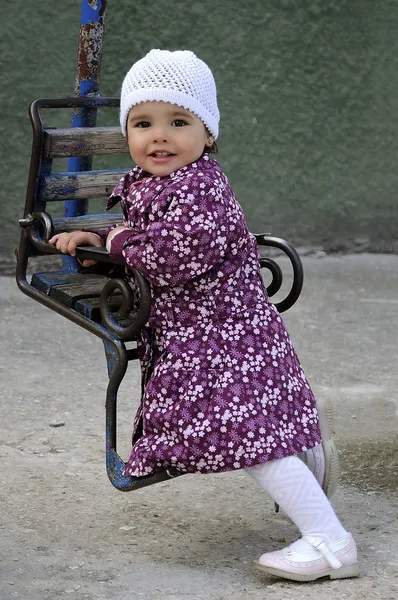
[(308, 93)]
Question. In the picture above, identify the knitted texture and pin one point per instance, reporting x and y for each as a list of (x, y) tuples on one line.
[(178, 77)]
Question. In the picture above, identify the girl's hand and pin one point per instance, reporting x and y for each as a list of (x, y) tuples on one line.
[(67, 243)]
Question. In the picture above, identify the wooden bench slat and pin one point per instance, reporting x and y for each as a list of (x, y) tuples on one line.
[(77, 291), (90, 307), (69, 293), (46, 281), (84, 184), (100, 221), (83, 141)]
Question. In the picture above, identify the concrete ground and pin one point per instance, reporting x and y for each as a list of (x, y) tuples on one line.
[(65, 532)]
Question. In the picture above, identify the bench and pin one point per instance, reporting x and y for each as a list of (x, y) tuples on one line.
[(102, 303)]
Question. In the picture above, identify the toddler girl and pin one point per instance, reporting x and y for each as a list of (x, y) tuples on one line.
[(223, 387)]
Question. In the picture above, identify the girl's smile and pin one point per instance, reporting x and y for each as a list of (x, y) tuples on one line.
[(161, 157)]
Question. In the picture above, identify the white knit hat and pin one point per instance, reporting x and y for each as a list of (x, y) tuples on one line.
[(178, 77)]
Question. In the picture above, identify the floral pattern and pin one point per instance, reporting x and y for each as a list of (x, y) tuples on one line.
[(223, 387)]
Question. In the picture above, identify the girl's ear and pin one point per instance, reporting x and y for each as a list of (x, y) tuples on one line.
[(211, 149), (211, 145)]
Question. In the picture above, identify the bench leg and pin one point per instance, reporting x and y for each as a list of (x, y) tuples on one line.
[(117, 361)]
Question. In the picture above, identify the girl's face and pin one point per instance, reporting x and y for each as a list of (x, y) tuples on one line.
[(164, 137)]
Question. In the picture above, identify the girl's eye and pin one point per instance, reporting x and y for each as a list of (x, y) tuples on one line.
[(179, 123), (143, 124)]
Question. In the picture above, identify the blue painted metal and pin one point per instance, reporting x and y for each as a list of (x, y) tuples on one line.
[(92, 23), (91, 10)]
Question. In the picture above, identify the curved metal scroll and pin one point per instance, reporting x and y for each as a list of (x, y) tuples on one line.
[(41, 228), (36, 221), (276, 271), (121, 323)]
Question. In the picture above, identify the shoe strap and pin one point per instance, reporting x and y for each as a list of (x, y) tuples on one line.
[(320, 545)]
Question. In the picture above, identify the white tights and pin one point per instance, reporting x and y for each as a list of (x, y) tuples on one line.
[(291, 484)]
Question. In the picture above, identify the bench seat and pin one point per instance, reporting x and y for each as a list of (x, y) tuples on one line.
[(80, 292)]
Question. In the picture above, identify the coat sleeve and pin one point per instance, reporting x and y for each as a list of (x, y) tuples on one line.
[(188, 240)]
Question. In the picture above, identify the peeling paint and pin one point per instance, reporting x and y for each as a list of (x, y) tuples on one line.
[(91, 38), (90, 49)]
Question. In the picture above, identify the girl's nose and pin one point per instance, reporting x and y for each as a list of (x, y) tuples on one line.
[(159, 135)]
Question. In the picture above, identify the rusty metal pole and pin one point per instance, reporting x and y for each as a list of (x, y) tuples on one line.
[(90, 47), (92, 27)]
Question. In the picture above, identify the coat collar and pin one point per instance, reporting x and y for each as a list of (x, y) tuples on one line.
[(137, 176)]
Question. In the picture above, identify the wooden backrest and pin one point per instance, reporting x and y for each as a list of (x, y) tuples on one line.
[(61, 186), (81, 141)]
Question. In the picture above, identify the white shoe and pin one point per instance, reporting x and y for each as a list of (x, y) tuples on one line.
[(337, 560), (323, 460)]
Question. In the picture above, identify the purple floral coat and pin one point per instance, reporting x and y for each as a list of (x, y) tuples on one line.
[(223, 387)]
